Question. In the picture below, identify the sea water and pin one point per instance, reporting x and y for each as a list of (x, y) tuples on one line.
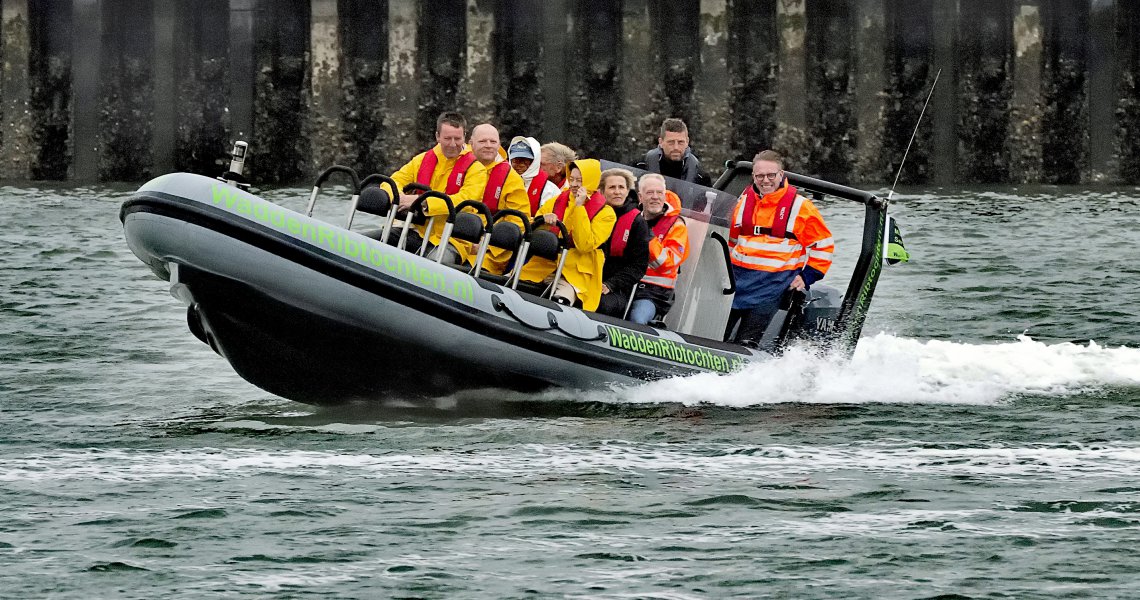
[(982, 442)]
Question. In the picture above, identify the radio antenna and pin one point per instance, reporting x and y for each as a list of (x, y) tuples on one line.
[(912, 135)]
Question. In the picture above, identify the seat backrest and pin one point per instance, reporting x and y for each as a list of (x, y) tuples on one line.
[(506, 235), (544, 243), (374, 200), (468, 227)]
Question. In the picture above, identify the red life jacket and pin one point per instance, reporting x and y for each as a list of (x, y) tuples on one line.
[(496, 179), (664, 224), (620, 237), (455, 180), (779, 226), (592, 206), (534, 192)]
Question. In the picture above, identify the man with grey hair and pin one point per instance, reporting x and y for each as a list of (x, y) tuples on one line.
[(668, 249), (554, 159)]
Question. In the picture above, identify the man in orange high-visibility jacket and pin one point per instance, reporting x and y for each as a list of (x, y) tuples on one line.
[(449, 167), (668, 249), (779, 242)]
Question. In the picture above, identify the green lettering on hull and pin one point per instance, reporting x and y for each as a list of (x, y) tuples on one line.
[(342, 243), (678, 352)]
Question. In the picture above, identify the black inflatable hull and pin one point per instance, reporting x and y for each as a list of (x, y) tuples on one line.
[(325, 316)]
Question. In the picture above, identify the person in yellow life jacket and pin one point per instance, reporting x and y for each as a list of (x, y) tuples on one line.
[(505, 189), (627, 251), (668, 249), (450, 167), (589, 221), (779, 242)]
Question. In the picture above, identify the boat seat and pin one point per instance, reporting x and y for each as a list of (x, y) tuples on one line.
[(374, 200), (544, 244), (468, 227), (506, 235)]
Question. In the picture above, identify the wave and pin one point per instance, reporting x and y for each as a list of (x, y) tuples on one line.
[(897, 370), (1109, 466)]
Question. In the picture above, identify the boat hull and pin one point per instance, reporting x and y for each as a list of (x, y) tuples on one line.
[(307, 318)]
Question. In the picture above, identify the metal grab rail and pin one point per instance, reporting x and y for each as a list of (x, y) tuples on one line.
[(417, 207), (324, 177)]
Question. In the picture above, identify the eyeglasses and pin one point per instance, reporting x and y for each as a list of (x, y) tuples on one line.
[(763, 176)]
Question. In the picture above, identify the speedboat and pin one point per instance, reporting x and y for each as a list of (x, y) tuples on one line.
[(328, 314)]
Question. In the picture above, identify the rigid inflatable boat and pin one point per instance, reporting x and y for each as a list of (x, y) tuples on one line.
[(328, 314)]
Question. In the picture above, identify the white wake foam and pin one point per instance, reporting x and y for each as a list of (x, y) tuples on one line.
[(1107, 463), (890, 369)]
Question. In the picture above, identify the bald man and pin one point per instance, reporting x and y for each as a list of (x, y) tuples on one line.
[(505, 189)]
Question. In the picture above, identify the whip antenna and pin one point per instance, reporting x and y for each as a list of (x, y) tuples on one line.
[(912, 135)]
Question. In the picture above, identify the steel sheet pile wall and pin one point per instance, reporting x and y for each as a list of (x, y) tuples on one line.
[(752, 66), (518, 81), (910, 73), (1030, 90), (280, 148), (365, 75), (48, 146), (126, 113), (830, 97), (1064, 148), (1126, 93)]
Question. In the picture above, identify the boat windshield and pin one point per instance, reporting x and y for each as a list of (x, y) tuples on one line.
[(701, 307), (696, 200)]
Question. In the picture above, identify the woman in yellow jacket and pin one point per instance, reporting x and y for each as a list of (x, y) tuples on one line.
[(590, 222)]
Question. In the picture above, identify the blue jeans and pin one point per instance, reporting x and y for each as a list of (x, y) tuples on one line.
[(642, 311)]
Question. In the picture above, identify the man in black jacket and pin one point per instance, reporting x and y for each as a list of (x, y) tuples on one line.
[(627, 251), (672, 156)]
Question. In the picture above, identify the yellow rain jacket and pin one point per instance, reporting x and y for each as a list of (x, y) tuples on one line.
[(513, 196), (584, 262), (472, 189)]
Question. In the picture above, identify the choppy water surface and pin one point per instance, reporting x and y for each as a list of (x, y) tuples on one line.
[(983, 442)]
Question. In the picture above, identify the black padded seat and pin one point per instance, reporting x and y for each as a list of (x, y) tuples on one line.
[(506, 235), (467, 227), (374, 200), (544, 244)]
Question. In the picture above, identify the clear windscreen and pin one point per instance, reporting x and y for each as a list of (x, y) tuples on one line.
[(701, 307)]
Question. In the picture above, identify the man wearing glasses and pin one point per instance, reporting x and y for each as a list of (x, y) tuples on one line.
[(779, 243)]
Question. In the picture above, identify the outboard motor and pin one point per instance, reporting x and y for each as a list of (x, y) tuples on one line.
[(807, 315)]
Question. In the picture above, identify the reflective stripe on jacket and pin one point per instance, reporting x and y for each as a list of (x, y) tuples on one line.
[(668, 248), (812, 245)]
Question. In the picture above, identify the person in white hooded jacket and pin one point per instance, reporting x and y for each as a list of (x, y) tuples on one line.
[(523, 153)]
